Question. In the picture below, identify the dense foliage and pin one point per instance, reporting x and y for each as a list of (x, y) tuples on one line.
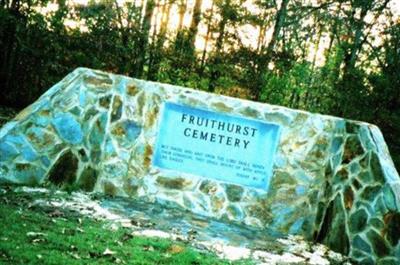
[(357, 75)]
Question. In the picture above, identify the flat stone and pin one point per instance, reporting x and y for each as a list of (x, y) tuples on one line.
[(173, 183), (358, 221), (7, 151), (392, 228), (379, 244), (389, 198), (234, 192), (68, 128), (361, 244)]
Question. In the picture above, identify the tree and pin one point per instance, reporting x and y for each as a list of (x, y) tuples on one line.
[(141, 48)]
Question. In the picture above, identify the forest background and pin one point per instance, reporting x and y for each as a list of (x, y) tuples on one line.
[(337, 57)]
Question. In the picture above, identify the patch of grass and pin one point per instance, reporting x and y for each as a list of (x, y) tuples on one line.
[(30, 235)]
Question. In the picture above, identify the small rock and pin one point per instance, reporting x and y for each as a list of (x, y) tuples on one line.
[(108, 252)]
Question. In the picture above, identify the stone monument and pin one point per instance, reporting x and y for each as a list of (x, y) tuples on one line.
[(328, 179)]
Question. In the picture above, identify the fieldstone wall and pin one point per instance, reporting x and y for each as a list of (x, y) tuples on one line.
[(333, 182)]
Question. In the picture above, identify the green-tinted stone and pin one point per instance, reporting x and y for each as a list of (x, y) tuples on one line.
[(328, 171), (337, 143), (367, 261), (348, 196), (336, 160), (283, 177), (96, 136), (364, 161), (208, 187), (116, 111), (389, 198), (376, 223), (83, 156), (320, 213), (41, 139), (141, 101), (352, 127), (365, 137), (376, 169), (131, 89), (361, 244), (392, 222), (358, 221), (188, 202), (352, 149), (234, 212), (126, 132), (105, 101), (64, 170), (365, 176), (250, 112), (77, 111), (217, 202), (370, 192), (88, 179), (379, 245), (131, 186), (90, 114), (110, 188), (3, 169), (388, 261), (354, 168), (356, 184), (234, 192), (115, 169), (29, 174), (98, 81), (341, 176), (95, 155), (173, 183), (333, 229), (379, 206), (220, 106)]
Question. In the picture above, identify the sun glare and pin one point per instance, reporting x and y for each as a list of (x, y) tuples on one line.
[(248, 34)]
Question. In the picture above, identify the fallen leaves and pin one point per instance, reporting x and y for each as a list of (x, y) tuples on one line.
[(176, 249)]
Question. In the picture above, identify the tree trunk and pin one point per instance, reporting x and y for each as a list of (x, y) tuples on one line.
[(355, 48), (159, 43), (181, 11), (266, 58), (195, 24), (312, 75), (144, 39), (203, 56), (218, 47), (280, 19), (261, 38)]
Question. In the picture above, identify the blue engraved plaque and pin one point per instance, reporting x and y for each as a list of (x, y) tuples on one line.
[(217, 146)]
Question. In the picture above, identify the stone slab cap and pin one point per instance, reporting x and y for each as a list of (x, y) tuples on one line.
[(333, 180)]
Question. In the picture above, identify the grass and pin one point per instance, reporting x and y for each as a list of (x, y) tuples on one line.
[(32, 235)]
